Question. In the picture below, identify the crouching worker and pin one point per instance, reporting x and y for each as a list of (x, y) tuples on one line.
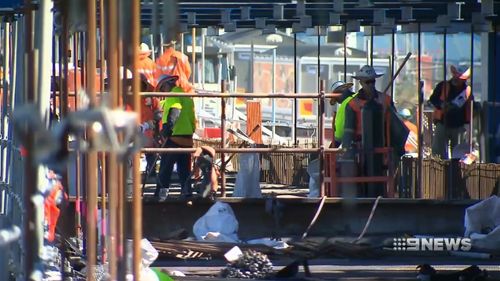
[(178, 126), (204, 174)]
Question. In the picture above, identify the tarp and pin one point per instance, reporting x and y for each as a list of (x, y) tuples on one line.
[(482, 224)]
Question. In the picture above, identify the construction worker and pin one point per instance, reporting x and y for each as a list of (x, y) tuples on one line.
[(352, 124), (452, 110), (411, 145), (343, 100), (362, 133), (178, 126), (146, 68), (173, 62)]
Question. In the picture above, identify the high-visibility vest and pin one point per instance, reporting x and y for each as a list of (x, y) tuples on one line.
[(186, 123), (147, 67), (340, 117), (357, 104), (411, 144), (438, 114), (172, 62)]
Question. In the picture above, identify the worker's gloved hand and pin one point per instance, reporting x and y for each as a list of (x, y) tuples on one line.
[(166, 131)]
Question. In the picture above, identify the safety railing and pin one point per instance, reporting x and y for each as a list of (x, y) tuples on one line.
[(330, 178)]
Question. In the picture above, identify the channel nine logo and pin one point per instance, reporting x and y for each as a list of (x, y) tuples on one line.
[(431, 244)]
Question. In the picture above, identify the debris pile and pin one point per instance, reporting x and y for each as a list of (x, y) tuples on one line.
[(251, 265)]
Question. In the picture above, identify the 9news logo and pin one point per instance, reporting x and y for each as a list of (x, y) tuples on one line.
[(431, 244)]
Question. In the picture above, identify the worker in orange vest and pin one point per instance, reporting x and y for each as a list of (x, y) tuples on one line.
[(353, 139), (146, 67), (174, 63), (411, 145), (352, 126), (452, 110)]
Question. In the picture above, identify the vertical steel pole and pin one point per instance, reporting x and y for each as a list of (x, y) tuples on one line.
[(223, 138), (321, 136), (420, 116), (295, 88), (92, 154), (394, 59), (137, 198), (193, 56), (345, 53), (30, 243), (103, 155), (113, 75), (371, 45), (471, 123)]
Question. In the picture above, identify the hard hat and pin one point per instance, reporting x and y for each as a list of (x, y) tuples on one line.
[(145, 49), (340, 86), (166, 83), (366, 73), (461, 72), (405, 113)]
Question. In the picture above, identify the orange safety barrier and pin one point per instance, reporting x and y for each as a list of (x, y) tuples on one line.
[(332, 180)]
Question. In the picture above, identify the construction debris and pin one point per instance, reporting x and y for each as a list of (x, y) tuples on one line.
[(250, 265)]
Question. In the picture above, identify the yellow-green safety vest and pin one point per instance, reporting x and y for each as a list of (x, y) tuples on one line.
[(186, 123), (340, 118)]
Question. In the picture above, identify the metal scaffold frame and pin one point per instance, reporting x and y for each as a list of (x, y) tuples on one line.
[(103, 39)]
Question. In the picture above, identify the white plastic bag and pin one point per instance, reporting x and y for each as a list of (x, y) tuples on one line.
[(314, 185), (248, 178), (482, 216), (218, 224)]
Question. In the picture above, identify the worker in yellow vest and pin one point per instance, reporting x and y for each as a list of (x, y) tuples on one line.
[(343, 100), (178, 127), (452, 110)]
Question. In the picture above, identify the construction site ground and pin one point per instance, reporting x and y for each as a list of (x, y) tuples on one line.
[(388, 268)]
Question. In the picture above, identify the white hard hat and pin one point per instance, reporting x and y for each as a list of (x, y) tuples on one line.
[(366, 73), (145, 48), (405, 113)]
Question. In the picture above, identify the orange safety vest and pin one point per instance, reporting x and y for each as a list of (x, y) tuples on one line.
[(147, 67), (411, 144), (357, 104), (172, 62), (438, 114)]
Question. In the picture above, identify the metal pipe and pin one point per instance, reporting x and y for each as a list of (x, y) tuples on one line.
[(154, 30), (203, 59), (193, 56), (92, 154), (137, 194), (295, 88), (102, 57), (223, 139), (5, 92), (471, 123), (273, 101), (321, 137), (103, 155), (30, 243), (245, 150), (420, 116), (394, 59), (113, 75), (345, 52), (371, 45), (202, 94)]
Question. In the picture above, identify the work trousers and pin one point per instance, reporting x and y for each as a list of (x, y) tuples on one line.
[(183, 161), (150, 160), (446, 138)]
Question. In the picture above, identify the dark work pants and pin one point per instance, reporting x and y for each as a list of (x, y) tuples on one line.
[(150, 160), (167, 165)]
